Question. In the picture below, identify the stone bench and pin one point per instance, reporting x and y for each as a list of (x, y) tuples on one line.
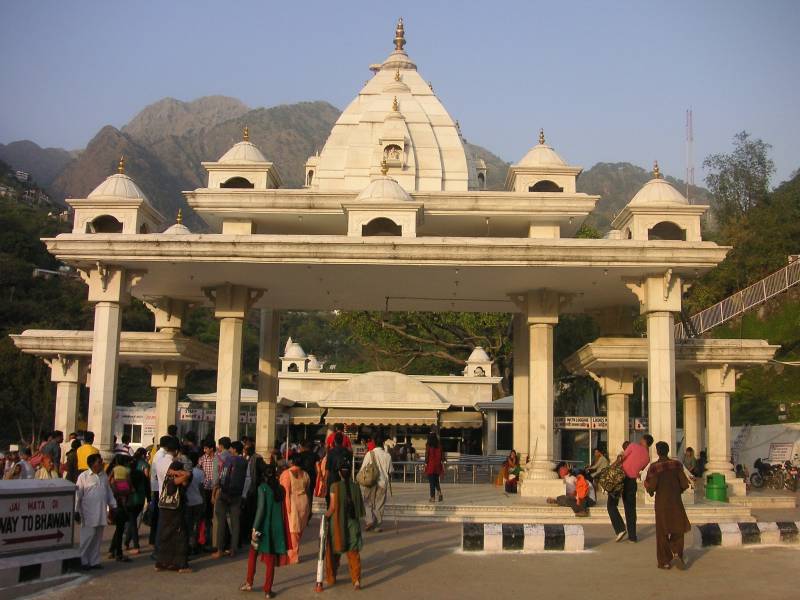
[(732, 535), (525, 538)]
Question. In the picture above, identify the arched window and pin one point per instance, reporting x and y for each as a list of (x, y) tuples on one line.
[(237, 183), (481, 180), (666, 230), (309, 177), (104, 224), (479, 372), (393, 154), (545, 186), (293, 368), (381, 226)]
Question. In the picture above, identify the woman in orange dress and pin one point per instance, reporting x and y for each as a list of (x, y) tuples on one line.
[(295, 482)]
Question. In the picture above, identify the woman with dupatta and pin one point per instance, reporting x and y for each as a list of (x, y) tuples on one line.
[(509, 473), (270, 535), (295, 483), (345, 512), (173, 535)]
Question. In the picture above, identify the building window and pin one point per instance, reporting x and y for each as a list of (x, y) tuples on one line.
[(666, 231), (237, 183), (481, 180), (293, 368), (135, 431), (310, 177), (104, 224), (381, 226), (504, 435), (545, 186)]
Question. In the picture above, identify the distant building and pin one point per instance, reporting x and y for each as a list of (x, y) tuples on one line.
[(21, 176)]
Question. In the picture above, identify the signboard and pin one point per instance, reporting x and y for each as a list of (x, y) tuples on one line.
[(36, 516), (640, 424), (191, 414), (210, 415), (581, 422), (599, 422), (780, 452)]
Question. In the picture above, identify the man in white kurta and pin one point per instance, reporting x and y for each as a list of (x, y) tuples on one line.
[(92, 501), (375, 496)]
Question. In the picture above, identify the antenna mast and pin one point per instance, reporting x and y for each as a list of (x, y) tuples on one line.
[(689, 151)]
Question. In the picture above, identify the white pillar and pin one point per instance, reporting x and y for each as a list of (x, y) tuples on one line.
[(521, 433), (267, 407), (719, 382), (542, 314), (616, 386), (167, 378), (660, 297), (231, 305), (694, 409), (67, 373)]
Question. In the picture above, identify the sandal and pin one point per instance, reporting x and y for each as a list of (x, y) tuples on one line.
[(357, 585), (246, 587)]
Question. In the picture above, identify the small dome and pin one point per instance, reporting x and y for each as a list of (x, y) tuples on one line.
[(295, 350), (177, 229), (384, 189), (541, 155), (658, 191), (478, 355), (243, 152), (118, 185), (313, 363)]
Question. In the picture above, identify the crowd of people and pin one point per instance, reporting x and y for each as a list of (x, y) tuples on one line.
[(216, 496)]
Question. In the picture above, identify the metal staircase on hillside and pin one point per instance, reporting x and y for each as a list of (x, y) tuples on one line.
[(740, 302)]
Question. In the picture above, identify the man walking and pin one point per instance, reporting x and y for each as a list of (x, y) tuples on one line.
[(635, 458), (228, 506), (93, 498), (375, 496), (666, 479), (86, 450), (208, 464)]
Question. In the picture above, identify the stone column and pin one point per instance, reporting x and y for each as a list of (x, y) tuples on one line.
[(719, 381), (521, 425), (231, 303), (67, 373), (267, 407), (542, 315), (660, 297), (694, 408), (167, 378), (616, 387), (109, 290), (169, 314)]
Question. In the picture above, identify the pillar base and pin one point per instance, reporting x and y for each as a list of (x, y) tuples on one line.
[(542, 488), (736, 487)]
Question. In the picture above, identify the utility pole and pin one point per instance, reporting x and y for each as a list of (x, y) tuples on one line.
[(689, 152)]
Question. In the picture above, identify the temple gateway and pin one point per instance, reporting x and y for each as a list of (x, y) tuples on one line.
[(394, 216)]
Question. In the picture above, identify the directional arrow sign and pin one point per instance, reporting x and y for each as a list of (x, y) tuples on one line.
[(35, 538)]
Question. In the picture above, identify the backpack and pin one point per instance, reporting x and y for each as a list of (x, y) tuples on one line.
[(170, 497), (368, 475), (612, 479), (234, 476)]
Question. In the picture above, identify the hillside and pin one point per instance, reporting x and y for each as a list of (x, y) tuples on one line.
[(43, 163)]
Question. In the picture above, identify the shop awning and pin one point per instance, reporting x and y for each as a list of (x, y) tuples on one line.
[(460, 419), (375, 416), (300, 415)]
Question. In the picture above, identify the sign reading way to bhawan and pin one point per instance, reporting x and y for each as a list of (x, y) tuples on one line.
[(36, 515)]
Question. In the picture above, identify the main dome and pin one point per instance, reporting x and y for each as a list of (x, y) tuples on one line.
[(396, 116)]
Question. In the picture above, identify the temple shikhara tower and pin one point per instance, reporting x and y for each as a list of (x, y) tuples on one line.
[(395, 216)]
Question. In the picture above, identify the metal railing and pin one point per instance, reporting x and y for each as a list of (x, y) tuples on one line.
[(461, 469), (742, 301)]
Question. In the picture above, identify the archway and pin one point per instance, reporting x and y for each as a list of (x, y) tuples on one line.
[(309, 177), (545, 186), (104, 224), (666, 230), (381, 227), (237, 183)]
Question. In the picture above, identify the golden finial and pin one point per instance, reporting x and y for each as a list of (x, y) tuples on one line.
[(246, 134), (121, 165), (397, 75), (399, 35), (179, 216), (656, 170), (541, 136), (384, 167), (395, 105)]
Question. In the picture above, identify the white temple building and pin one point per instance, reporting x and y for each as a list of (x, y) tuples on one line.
[(394, 216)]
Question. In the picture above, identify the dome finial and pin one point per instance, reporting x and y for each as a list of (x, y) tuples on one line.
[(384, 167), (541, 136), (179, 216), (121, 165), (246, 134), (399, 35), (397, 75), (656, 170), (395, 105)]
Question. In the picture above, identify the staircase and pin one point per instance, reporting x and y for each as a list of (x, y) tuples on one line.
[(740, 302)]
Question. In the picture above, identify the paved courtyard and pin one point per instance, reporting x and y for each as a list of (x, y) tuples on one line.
[(422, 560)]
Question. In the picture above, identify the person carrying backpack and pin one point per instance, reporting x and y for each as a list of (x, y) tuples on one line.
[(375, 480), (228, 505)]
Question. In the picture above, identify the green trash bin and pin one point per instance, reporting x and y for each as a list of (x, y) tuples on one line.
[(716, 488)]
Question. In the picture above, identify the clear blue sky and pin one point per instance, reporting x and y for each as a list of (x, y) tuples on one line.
[(609, 81)]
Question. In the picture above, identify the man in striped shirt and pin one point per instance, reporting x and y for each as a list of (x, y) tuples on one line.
[(210, 466)]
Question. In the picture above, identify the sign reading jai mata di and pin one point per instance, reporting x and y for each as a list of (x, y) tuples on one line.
[(36, 515)]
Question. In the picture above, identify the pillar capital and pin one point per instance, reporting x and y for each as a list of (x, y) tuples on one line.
[(67, 369), (109, 283), (169, 313), (168, 374), (658, 292), (718, 378), (232, 301), (614, 381), (541, 307)]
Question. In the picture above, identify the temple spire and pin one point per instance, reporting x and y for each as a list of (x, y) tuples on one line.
[(384, 167), (245, 134), (179, 216), (399, 36), (121, 165), (395, 105), (656, 170), (541, 136)]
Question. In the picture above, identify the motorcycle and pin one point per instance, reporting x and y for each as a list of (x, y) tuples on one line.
[(768, 475), (792, 476)]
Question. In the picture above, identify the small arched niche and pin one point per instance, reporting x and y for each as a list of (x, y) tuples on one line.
[(293, 368), (237, 183), (309, 177), (666, 230), (545, 186), (104, 224), (481, 180), (381, 227)]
